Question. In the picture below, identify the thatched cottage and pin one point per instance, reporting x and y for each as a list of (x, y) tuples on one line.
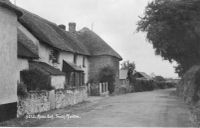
[(80, 54), (69, 57)]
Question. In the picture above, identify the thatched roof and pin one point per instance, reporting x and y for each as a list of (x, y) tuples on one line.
[(41, 29), (71, 40), (95, 44), (47, 69), (24, 52), (26, 48), (142, 75), (84, 42), (50, 34), (7, 4)]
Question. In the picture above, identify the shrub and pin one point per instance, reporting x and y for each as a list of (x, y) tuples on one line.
[(107, 74), (36, 80), (143, 85), (21, 90)]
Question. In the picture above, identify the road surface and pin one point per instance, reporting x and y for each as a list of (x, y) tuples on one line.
[(156, 109)]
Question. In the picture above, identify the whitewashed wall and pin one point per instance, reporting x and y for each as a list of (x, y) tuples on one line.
[(69, 57), (8, 56), (58, 82), (66, 56), (44, 52), (86, 68), (21, 65)]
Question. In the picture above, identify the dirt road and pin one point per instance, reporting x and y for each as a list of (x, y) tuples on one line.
[(156, 108)]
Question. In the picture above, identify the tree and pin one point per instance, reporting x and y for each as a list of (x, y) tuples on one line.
[(173, 27), (127, 65)]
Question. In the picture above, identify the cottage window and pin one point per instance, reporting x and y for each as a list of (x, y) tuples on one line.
[(83, 61), (54, 56), (75, 59)]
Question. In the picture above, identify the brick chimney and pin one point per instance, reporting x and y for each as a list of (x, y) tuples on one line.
[(62, 26), (72, 27)]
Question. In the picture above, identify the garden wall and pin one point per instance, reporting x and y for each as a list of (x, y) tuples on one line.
[(70, 97), (41, 101)]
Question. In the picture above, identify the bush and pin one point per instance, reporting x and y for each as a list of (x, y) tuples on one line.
[(143, 85), (21, 90), (107, 74), (149, 85), (36, 80)]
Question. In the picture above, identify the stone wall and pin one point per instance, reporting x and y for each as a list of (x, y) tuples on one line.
[(35, 102), (41, 101), (70, 97)]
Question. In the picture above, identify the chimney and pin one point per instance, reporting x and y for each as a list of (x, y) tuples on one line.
[(72, 27), (62, 26)]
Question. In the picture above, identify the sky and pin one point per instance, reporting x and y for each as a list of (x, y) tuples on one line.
[(113, 20)]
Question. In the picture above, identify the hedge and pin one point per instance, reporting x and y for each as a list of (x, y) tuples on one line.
[(149, 85), (36, 80)]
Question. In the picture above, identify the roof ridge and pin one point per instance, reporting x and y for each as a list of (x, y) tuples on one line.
[(95, 36), (25, 12)]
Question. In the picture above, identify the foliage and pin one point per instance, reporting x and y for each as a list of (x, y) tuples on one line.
[(127, 65), (173, 27), (143, 85), (130, 66), (36, 80), (149, 85), (21, 90), (107, 74), (159, 78), (196, 97)]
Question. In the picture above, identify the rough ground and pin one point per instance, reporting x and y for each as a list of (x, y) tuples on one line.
[(157, 108)]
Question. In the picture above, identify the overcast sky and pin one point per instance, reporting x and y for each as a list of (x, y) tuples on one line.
[(113, 20)]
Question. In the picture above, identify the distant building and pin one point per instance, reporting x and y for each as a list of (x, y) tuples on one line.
[(142, 75)]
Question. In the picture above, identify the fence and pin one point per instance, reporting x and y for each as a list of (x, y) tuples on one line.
[(97, 89)]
